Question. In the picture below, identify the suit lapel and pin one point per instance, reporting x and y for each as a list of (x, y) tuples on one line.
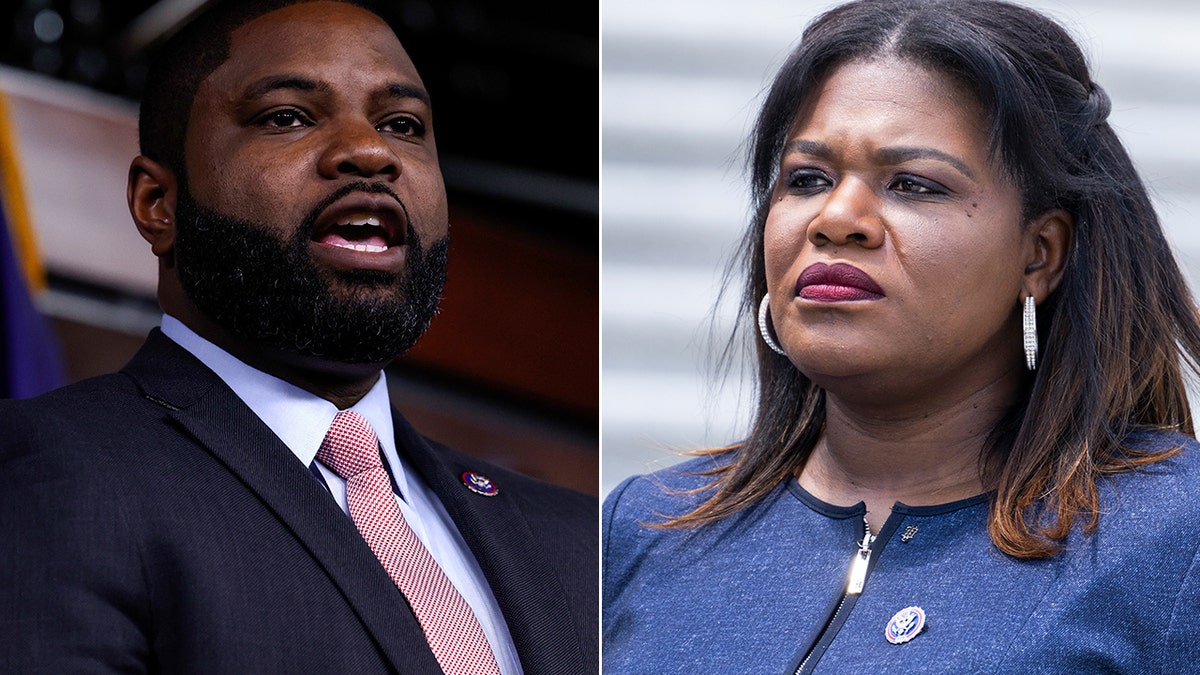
[(528, 590), (220, 422)]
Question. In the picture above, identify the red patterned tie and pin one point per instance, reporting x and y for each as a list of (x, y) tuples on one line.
[(351, 449)]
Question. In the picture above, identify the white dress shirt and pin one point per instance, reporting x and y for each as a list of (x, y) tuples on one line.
[(300, 419)]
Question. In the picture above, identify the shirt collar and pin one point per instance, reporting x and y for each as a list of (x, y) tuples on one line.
[(299, 418)]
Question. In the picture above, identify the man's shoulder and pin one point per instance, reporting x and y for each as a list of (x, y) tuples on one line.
[(82, 436), (97, 402), (482, 477), (525, 523), (75, 405)]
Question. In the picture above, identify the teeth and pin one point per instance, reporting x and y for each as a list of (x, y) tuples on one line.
[(360, 221), (366, 248)]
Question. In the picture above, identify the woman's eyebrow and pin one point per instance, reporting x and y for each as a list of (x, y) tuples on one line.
[(903, 154), (895, 155), (805, 147)]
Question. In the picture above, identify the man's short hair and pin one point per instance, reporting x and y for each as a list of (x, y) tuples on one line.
[(181, 63)]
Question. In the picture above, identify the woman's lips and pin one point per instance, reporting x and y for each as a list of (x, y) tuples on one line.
[(837, 283)]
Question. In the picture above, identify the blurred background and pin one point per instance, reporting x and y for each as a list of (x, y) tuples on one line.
[(509, 368), (681, 82)]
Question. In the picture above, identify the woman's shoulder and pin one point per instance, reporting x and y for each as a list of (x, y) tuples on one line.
[(633, 509), (666, 493), (1170, 484), (1161, 440), (1180, 454)]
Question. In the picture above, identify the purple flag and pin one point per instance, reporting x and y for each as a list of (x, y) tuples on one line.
[(31, 360)]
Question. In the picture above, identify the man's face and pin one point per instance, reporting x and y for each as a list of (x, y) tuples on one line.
[(312, 218)]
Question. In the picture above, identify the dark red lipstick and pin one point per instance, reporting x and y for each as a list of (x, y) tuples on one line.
[(837, 283)]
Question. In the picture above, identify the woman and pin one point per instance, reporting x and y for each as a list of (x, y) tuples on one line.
[(972, 449)]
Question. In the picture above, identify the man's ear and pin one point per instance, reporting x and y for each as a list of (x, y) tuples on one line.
[(1048, 240), (152, 195)]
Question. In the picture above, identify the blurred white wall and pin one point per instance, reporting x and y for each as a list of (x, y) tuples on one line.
[(75, 146), (681, 81)]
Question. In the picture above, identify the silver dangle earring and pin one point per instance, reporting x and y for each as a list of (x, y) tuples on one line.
[(763, 309), (1029, 323)]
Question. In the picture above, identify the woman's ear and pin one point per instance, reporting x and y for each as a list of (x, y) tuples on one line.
[(1048, 246), (152, 195)]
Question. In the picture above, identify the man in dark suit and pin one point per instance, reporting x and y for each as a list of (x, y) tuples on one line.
[(187, 514)]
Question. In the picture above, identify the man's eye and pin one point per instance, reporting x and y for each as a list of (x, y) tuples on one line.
[(284, 119), (404, 126)]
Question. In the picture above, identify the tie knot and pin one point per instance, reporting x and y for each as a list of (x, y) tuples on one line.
[(350, 446)]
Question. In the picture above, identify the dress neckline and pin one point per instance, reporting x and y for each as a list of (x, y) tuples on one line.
[(860, 509)]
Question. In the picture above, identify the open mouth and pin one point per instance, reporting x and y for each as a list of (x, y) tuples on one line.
[(358, 232), (362, 222)]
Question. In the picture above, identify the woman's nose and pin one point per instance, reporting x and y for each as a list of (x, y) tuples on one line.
[(850, 215)]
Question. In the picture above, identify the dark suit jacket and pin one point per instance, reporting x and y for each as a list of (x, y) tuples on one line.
[(151, 522)]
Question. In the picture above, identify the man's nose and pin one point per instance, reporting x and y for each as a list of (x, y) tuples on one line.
[(356, 147)]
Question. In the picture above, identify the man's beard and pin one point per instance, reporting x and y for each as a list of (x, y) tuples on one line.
[(267, 290)]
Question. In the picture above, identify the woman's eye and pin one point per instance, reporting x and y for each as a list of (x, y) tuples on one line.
[(808, 179), (285, 119), (917, 186), (403, 126)]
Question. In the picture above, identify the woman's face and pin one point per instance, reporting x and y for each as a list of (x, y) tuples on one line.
[(894, 245)]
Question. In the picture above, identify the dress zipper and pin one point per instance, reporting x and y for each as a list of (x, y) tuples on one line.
[(854, 586), (862, 558)]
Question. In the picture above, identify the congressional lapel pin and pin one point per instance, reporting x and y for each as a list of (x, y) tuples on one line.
[(480, 484), (905, 625)]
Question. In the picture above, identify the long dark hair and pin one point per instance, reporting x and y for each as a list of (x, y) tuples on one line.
[(1114, 335)]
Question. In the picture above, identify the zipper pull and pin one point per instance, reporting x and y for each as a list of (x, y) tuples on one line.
[(858, 566)]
